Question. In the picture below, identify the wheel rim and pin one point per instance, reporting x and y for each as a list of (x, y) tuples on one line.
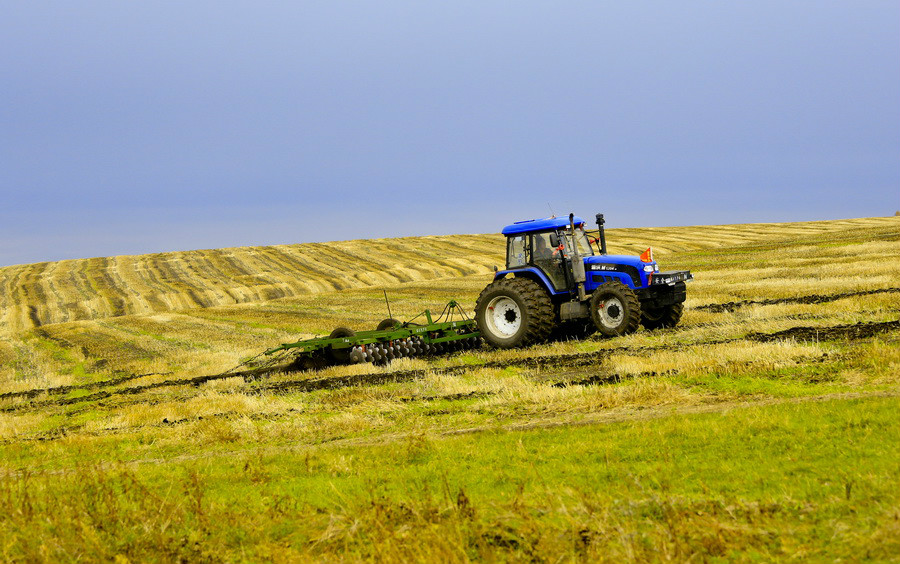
[(611, 312), (503, 317)]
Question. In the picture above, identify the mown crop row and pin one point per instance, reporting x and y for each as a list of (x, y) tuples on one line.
[(76, 290)]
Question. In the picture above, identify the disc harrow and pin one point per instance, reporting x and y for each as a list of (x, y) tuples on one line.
[(451, 331)]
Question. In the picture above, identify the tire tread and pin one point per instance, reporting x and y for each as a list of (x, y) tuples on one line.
[(623, 292), (538, 315)]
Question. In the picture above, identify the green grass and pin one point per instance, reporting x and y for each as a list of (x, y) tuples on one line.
[(782, 383), (803, 482)]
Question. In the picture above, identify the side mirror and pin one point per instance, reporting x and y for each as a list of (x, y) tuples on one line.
[(554, 240), (495, 268)]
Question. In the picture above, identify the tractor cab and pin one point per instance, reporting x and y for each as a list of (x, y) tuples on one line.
[(547, 245)]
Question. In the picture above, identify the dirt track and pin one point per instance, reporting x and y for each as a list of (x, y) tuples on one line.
[(811, 299)]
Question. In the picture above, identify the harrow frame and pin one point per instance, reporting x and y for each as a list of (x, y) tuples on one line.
[(436, 336)]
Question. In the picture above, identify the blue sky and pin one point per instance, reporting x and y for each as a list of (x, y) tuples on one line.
[(135, 127)]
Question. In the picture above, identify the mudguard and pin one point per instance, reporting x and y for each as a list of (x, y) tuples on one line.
[(535, 274)]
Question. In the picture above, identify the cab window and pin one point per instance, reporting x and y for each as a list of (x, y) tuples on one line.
[(517, 252)]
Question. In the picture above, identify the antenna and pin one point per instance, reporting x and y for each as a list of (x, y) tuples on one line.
[(552, 213)]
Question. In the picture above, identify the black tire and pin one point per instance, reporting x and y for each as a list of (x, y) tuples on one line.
[(388, 323), (526, 317), (658, 318), (615, 309), (341, 356)]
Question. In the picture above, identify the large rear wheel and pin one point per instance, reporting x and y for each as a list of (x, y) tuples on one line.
[(514, 312), (615, 309)]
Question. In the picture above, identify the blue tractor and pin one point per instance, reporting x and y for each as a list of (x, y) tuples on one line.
[(554, 284)]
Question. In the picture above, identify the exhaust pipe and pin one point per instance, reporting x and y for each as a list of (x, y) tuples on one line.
[(600, 222)]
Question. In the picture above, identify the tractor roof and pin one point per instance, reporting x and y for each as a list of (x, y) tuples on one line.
[(539, 225)]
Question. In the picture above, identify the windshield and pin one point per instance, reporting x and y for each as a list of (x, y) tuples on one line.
[(581, 238)]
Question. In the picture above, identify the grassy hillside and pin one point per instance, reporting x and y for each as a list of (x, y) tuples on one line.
[(763, 427)]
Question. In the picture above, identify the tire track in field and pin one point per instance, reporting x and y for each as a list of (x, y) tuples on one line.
[(659, 412), (854, 331), (808, 299)]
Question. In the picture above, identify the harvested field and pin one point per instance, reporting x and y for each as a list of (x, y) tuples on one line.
[(125, 375)]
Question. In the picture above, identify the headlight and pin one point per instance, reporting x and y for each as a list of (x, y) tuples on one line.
[(648, 268)]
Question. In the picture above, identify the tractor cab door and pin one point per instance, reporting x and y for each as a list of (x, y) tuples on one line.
[(548, 257), (518, 251)]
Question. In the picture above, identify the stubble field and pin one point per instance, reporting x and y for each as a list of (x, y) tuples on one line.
[(763, 427)]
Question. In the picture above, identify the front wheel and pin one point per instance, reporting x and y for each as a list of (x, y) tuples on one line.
[(666, 316), (615, 309), (513, 313)]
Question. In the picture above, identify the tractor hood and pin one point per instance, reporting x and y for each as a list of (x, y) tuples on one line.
[(629, 265), (625, 260)]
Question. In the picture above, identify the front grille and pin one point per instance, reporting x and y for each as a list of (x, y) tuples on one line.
[(669, 278)]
